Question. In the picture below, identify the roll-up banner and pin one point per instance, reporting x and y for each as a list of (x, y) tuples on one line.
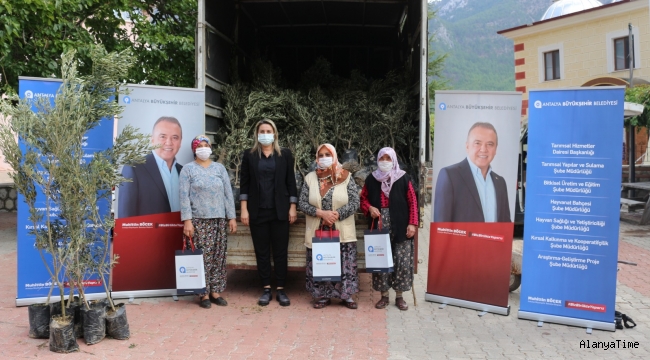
[(148, 228), (34, 280), (572, 208), (474, 182)]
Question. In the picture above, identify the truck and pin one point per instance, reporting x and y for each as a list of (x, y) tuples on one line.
[(371, 36)]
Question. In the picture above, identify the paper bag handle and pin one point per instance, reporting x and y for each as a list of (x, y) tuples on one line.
[(379, 224), (191, 243)]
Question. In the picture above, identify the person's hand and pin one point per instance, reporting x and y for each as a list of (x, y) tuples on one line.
[(244, 216), (293, 214), (410, 231), (232, 224), (329, 217), (188, 228), (374, 212)]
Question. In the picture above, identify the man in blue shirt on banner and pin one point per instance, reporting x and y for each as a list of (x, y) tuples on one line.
[(154, 187), (470, 191)]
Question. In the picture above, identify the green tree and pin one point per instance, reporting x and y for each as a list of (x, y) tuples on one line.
[(52, 162), (160, 33), (640, 95)]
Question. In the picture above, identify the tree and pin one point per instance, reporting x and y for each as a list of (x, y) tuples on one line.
[(160, 33), (435, 66), (639, 94), (52, 162)]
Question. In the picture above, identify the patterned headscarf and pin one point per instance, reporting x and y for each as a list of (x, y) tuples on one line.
[(335, 170), (387, 179), (198, 140)]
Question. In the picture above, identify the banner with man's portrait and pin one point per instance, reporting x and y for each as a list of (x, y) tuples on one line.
[(148, 228), (476, 142)]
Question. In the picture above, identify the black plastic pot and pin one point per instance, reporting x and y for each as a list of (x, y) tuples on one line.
[(94, 322), (55, 308), (39, 321), (117, 326), (62, 337), (74, 310)]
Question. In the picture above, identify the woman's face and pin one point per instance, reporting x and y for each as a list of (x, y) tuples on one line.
[(203, 144), (324, 152), (385, 157), (265, 129)]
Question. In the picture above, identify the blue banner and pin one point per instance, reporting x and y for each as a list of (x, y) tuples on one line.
[(33, 278), (573, 188)]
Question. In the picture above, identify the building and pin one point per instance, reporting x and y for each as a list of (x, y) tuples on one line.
[(583, 43)]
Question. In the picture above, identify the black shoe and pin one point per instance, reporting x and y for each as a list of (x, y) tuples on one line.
[(219, 301), (205, 304), (282, 298), (265, 299)]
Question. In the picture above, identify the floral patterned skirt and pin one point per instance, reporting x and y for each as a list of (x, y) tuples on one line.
[(210, 235), (401, 278), (344, 289)]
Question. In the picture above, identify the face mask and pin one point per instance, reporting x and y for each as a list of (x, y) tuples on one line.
[(203, 153), (324, 162), (385, 166), (265, 139)]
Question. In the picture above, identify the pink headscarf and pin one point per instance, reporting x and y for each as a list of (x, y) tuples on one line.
[(387, 179)]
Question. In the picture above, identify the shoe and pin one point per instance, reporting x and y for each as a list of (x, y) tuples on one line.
[(321, 303), (218, 301), (265, 299), (382, 303), (282, 298), (349, 304), (205, 304), (401, 304)]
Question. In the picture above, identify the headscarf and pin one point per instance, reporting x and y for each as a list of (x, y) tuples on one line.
[(197, 140), (387, 179), (335, 170)]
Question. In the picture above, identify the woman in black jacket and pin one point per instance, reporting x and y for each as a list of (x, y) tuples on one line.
[(268, 205)]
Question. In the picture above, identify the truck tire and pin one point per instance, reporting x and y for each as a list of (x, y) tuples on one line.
[(515, 282)]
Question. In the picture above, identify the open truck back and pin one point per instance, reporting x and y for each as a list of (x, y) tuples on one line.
[(371, 36)]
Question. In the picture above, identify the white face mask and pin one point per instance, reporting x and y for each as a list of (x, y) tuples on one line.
[(385, 166), (203, 153), (265, 139), (325, 162)]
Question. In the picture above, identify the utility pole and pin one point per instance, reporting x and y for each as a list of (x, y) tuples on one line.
[(631, 150)]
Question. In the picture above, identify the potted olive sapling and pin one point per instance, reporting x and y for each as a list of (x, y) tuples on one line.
[(74, 241)]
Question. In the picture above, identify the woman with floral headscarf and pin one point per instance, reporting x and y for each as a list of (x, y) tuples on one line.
[(206, 202), (389, 193), (329, 198)]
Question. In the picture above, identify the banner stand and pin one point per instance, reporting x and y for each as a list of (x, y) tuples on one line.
[(143, 294), (56, 298), (563, 320), (468, 304)]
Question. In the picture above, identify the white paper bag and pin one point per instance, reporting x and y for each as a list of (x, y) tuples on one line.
[(379, 256), (326, 258), (190, 272)]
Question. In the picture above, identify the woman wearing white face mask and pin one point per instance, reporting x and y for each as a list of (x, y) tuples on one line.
[(329, 198), (268, 203), (389, 193), (206, 201)]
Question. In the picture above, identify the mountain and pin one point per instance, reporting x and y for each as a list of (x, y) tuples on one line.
[(479, 58)]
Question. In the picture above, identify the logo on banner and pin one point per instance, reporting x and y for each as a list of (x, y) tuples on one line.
[(182, 270), (442, 106), (126, 100), (319, 257), (538, 104), (371, 249), (29, 94)]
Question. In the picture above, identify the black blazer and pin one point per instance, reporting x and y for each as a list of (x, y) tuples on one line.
[(285, 183), (146, 193), (457, 198)]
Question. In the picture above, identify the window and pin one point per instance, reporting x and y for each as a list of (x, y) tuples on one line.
[(552, 65), (622, 53)]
